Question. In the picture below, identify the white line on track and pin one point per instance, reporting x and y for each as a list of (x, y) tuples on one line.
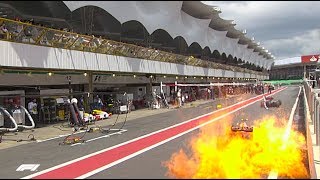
[(107, 135), (39, 141), (273, 173)]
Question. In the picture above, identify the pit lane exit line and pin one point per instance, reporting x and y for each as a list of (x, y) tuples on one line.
[(96, 162)]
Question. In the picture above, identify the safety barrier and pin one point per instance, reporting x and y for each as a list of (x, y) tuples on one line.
[(16, 31), (312, 105), (313, 98)]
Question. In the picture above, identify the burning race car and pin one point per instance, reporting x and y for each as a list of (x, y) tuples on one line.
[(268, 102), (242, 126)]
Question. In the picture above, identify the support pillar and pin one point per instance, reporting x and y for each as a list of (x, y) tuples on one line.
[(175, 86), (89, 89), (70, 87), (149, 87), (304, 72)]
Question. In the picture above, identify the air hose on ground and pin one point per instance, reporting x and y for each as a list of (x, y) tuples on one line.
[(18, 140), (29, 139), (68, 126), (61, 126), (70, 139), (102, 130)]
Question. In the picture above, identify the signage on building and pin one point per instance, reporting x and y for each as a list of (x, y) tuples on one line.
[(310, 59)]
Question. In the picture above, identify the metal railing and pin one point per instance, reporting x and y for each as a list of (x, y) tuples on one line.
[(313, 101), (16, 31)]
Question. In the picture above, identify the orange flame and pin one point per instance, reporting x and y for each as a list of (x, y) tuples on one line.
[(217, 152)]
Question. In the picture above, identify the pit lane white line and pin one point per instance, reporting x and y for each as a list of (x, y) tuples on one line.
[(273, 173), (108, 135), (141, 137), (39, 141)]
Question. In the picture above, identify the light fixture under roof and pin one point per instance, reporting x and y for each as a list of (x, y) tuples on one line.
[(216, 8), (244, 31)]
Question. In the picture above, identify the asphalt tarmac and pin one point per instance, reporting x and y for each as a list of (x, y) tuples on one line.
[(147, 164)]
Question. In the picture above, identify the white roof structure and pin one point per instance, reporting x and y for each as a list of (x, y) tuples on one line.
[(194, 21), (288, 61)]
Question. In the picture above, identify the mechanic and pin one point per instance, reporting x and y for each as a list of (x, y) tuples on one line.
[(179, 98), (155, 98), (98, 102), (269, 88), (33, 109)]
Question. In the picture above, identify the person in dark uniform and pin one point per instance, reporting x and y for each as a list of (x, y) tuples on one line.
[(269, 88)]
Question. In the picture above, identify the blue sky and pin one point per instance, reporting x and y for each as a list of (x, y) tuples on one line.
[(285, 28)]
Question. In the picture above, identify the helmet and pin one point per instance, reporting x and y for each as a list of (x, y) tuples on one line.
[(74, 100)]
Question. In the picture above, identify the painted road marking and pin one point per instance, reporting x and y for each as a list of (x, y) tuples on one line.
[(88, 165), (38, 141), (107, 135), (30, 167), (273, 173)]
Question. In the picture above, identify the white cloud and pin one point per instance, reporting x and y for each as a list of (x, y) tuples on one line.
[(305, 44), (291, 26), (253, 14)]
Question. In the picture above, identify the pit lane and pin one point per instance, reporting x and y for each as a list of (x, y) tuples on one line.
[(147, 164)]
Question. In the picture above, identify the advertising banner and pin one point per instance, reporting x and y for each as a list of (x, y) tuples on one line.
[(310, 58)]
